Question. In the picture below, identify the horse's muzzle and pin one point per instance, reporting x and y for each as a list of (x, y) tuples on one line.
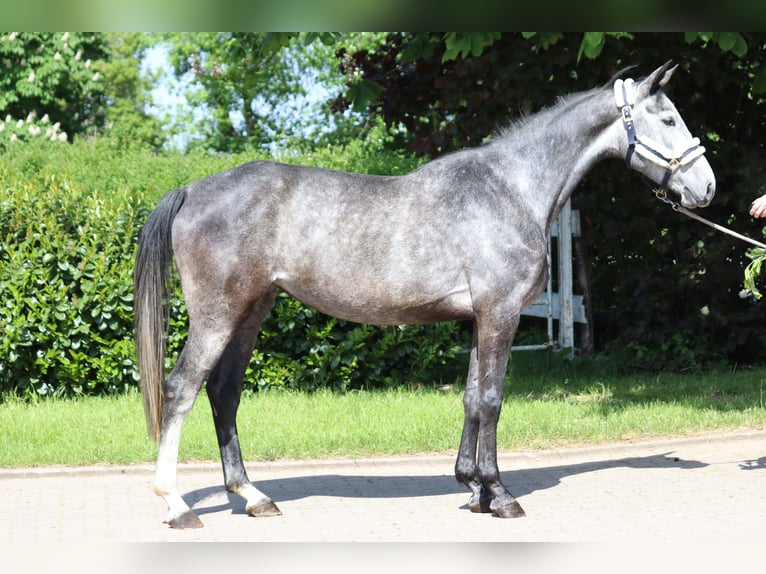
[(691, 200)]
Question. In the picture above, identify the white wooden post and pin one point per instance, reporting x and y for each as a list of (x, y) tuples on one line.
[(566, 314), (564, 306)]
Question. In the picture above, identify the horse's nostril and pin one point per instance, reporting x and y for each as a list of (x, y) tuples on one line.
[(710, 190)]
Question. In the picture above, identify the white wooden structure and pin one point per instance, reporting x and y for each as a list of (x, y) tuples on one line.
[(563, 306)]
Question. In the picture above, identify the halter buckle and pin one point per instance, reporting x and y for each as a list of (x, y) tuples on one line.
[(627, 115)]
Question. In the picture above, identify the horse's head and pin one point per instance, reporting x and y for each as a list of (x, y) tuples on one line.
[(658, 143)]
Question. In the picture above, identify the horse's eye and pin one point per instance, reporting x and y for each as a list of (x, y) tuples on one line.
[(669, 122)]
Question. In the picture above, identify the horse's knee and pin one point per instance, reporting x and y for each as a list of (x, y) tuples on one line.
[(465, 471)]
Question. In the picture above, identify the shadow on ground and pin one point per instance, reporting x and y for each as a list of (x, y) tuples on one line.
[(519, 482)]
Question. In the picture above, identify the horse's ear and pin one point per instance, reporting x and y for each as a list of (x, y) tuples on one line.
[(657, 79)]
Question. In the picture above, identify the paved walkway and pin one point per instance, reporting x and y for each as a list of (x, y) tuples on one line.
[(710, 488)]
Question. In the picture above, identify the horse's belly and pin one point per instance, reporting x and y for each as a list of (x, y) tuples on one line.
[(378, 304)]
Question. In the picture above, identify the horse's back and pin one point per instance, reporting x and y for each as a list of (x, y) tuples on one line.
[(377, 249)]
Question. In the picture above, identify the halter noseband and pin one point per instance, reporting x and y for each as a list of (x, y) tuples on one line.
[(625, 95)]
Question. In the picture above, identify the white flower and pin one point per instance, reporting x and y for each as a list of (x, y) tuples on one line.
[(62, 137), (87, 63), (32, 116), (13, 137), (45, 119), (2, 127), (57, 56), (20, 124), (96, 76), (13, 36), (8, 119), (78, 55), (31, 77), (65, 37)]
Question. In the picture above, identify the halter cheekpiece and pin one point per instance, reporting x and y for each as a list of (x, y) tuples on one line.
[(625, 98)]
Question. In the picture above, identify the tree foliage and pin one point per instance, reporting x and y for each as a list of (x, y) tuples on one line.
[(245, 82), (48, 83), (128, 91), (60, 85)]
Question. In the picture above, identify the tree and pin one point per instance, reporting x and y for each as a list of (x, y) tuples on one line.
[(49, 86), (127, 91), (232, 73), (272, 90)]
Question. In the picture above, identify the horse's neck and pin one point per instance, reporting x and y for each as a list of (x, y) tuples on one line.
[(558, 147)]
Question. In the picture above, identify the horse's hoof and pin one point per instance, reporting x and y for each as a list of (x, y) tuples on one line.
[(511, 510), (480, 504), (264, 508), (186, 520)]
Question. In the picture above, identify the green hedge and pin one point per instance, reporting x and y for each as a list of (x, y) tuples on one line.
[(69, 219)]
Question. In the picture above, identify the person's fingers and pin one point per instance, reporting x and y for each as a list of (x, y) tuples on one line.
[(758, 208)]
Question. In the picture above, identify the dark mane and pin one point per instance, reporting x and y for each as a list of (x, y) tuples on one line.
[(617, 75)]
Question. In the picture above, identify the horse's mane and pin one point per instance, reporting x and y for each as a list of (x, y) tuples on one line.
[(618, 74), (562, 102)]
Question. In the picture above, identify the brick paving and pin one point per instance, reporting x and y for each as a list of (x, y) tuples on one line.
[(702, 489)]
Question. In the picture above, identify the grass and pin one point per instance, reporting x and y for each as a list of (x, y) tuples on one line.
[(549, 403)]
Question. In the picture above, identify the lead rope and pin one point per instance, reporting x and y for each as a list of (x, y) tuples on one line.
[(662, 195)]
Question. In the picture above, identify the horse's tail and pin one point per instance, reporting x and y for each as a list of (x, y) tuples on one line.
[(151, 280)]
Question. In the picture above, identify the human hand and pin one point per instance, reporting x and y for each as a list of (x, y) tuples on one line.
[(758, 207)]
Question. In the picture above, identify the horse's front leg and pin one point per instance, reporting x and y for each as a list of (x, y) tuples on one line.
[(495, 338), (224, 389)]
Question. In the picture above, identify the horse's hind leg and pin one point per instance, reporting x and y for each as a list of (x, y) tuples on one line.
[(201, 352), (224, 388)]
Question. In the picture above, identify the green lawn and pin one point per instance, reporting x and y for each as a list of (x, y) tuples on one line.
[(547, 405)]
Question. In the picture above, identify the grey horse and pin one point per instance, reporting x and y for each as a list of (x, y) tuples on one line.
[(462, 237)]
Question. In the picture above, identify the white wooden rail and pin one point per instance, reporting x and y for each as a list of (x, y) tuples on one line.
[(563, 306)]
